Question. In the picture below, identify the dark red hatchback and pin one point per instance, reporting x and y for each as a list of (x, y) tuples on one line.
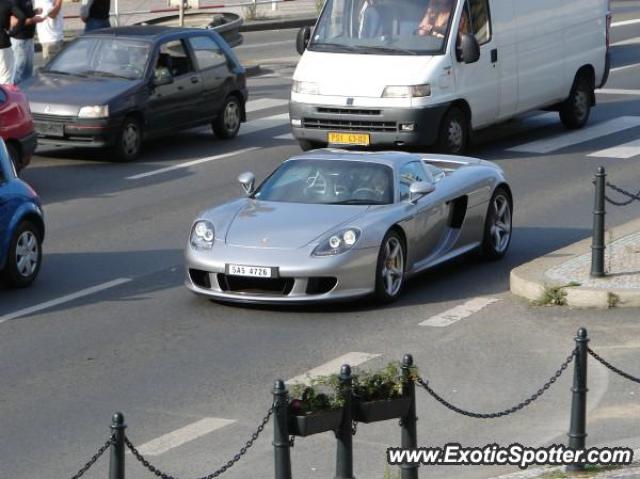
[(16, 125)]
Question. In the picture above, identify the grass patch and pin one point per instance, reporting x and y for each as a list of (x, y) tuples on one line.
[(613, 300), (555, 296), (590, 470)]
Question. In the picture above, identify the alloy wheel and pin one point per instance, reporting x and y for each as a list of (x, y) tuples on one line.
[(27, 254), (455, 135), (130, 139), (581, 104), (393, 266), (501, 227), (231, 116)]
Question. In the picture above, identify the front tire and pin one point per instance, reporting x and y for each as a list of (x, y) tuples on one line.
[(25, 256), (454, 132), (129, 141), (575, 110), (390, 268), (308, 145), (227, 123), (498, 225)]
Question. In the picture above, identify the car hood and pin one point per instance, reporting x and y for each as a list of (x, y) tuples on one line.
[(65, 95), (260, 224)]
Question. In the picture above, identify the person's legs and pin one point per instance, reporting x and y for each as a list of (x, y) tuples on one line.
[(24, 55), (95, 24), (6, 66), (49, 50)]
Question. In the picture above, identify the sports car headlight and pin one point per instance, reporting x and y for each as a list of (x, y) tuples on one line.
[(101, 111), (411, 91), (305, 87), (202, 235), (338, 243)]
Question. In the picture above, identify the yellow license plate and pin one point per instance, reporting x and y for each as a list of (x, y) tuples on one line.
[(349, 138)]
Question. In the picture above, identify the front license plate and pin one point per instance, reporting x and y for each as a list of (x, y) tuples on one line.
[(50, 129), (251, 271), (349, 138)]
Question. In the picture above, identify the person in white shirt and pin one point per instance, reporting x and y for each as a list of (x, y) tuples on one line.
[(51, 30)]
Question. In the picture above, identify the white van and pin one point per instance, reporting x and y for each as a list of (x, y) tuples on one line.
[(429, 72)]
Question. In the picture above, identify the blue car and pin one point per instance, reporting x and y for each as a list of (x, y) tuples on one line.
[(21, 226)]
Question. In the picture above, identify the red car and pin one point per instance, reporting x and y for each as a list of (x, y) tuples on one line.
[(16, 125)]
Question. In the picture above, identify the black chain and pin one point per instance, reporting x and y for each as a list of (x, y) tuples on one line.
[(95, 457), (221, 470), (632, 197), (506, 412), (610, 366), (354, 428)]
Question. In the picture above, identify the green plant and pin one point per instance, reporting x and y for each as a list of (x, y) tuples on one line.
[(555, 295), (380, 385), (613, 299), (390, 475)]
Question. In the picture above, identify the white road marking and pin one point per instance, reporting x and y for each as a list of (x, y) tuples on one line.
[(629, 41), (188, 164), (564, 140), (64, 299), (626, 22), (624, 151), (626, 67), (183, 435), (458, 313), (266, 123), (618, 91), (333, 367), (286, 136), (264, 103)]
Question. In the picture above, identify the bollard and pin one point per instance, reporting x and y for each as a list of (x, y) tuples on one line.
[(578, 428), (344, 435), (281, 444), (409, 437), (597, 245), (116, 460)]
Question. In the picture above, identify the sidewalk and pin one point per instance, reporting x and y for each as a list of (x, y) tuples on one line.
[(625, 472), (562, 277)]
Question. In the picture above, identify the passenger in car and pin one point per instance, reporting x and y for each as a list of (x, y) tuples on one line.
[(436, 19)]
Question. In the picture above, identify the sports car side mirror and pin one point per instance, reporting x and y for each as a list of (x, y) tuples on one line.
[(248, 182), (419, 189)]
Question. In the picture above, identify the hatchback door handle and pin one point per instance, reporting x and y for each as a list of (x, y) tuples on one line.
[(494, 55), (195, 79)]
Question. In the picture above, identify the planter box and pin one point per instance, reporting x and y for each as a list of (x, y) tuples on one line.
[(383, 410), (315, 423)]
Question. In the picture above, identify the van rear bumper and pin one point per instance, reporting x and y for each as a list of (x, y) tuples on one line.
[(385, 126)]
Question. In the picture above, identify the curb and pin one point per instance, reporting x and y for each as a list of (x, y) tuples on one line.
[(277, 24), (530, 282)]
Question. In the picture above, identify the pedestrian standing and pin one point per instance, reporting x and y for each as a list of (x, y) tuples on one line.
[(10, 15), (51, 30), (95, 14), (22, 41)]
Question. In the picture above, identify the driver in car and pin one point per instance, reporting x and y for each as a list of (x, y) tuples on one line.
[(436, 19)]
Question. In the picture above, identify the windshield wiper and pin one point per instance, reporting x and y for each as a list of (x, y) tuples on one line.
[(97, 73), (394, 51), (58, 72), (348, 48), (357, 202)]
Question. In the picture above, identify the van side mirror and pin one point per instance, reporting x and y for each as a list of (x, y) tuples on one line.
[(419, 189), (302, 40), (469, 51), (248, 182), (162, 76)]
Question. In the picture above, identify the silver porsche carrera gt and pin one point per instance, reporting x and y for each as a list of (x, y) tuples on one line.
[(334, 224)]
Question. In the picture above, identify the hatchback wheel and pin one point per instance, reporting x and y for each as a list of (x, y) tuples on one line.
[(454, 132), (227, 124), (25, 256), (129, 141), (575, 111), (390, 269), (498, 225)]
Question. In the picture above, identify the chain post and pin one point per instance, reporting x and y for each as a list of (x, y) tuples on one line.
[(344, 434), (597, 245), (578, 428), (116, 461), (281, 444), (409, 434)]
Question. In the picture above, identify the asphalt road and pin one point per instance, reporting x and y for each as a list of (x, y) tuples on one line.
[(144, 345)]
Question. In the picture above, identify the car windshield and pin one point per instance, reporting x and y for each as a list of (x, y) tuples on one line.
[(391, 27), (106, 57), (329, 182)]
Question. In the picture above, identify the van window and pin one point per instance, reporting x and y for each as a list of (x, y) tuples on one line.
[(480, 20)]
